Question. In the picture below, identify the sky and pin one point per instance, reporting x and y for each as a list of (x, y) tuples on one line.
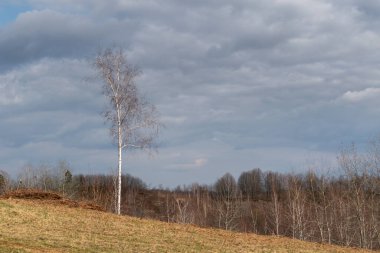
[(279, 85)]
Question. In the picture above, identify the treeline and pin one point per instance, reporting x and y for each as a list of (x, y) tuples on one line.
[(343, 210)]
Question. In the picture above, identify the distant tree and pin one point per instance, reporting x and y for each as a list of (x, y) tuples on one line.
[(134, 122), (64, 175), (68, 177), (314, 193), (357, 170), (4, 181), (273, 185), (297, 201), (227, 204), (67, 181), (226, 187), (41, 177), (251, 183)]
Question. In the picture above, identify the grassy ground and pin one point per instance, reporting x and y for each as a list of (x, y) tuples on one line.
[(40, 226)]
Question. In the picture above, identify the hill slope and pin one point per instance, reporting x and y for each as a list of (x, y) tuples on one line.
[(40, 226)]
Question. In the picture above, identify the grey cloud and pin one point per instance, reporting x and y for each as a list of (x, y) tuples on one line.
[(244, 81), (46, 33), (53, 100), (49, 85)]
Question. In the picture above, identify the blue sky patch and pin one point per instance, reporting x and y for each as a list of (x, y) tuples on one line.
[(9, 12)]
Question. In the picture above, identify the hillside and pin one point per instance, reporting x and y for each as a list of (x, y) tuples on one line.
[(53, 226)]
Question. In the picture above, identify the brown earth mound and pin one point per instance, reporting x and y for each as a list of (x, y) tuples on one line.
[(32, 194), (50, 198)]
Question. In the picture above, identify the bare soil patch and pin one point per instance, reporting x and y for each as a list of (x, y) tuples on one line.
[(50, 198)]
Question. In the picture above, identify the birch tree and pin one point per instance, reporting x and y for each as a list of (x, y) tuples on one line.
[(227, 190), (134, 121)]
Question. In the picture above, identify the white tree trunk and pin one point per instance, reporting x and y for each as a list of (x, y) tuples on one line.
[(119, 169)]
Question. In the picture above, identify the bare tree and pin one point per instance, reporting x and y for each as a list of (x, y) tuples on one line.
[(297, 207), (4, 181), (227, 205), (357, 169), (134, 122), (320, 205), (273, 182), (184, 214), (251, 183)]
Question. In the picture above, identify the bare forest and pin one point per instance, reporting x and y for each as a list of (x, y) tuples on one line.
[(341, 209)]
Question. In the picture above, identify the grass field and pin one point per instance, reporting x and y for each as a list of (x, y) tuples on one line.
[(50, 226)]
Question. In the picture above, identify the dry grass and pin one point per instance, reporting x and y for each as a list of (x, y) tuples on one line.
[(40, 226)]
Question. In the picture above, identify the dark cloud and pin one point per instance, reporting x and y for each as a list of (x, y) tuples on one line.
[(239, 85), (38, 34)]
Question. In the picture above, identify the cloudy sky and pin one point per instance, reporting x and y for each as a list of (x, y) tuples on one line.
[(274, 84)]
